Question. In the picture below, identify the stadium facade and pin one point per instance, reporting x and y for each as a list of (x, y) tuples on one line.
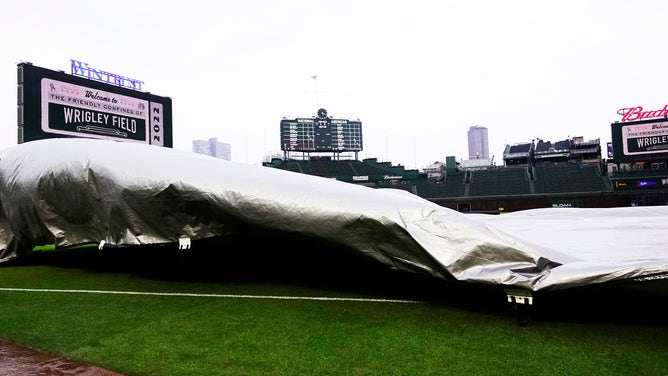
[(536, 174)]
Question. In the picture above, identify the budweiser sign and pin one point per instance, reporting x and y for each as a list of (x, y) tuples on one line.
[(637, 113)]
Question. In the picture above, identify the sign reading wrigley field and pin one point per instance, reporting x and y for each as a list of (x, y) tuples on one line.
[(74, 110), (641, 135), (54, 104), (645, 138)]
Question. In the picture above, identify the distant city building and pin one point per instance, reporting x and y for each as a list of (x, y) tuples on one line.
[(478, 143), (213, 148)]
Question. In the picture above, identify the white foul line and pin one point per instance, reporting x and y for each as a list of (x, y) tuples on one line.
[(215, 295)]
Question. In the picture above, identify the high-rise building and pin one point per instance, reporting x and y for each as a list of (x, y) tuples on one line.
[(213, 148), (478, 143)]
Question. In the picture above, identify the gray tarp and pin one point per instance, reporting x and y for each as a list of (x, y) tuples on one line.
[(74, 191)]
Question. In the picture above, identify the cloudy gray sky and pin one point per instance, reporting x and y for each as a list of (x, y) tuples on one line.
[(417, 73)]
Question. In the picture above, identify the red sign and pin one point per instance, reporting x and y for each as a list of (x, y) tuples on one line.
[(637, 113)]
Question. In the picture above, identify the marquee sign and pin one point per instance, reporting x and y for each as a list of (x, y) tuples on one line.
[(640, 136), (645, 138), (56, 104), (640, 141), (75, 110)]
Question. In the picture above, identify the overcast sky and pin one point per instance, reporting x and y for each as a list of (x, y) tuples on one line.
[(417, 73)]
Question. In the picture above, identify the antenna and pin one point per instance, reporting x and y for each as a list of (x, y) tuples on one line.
[(317, 91)]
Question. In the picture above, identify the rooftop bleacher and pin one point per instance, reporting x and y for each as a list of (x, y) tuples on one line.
[(543, 146), (564, 145), (520, 148), (546, 147)]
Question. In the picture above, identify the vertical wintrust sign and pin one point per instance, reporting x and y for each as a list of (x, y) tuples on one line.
[(54, 104)]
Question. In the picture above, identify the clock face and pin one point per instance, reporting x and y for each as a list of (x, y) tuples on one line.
[(322, 113)]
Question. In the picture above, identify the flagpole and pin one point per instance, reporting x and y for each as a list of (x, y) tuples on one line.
[(317, 91)]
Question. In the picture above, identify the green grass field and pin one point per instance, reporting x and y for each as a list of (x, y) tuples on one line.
[(231, 311)]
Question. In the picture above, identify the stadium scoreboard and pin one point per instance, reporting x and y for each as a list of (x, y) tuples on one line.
[(321, 134)]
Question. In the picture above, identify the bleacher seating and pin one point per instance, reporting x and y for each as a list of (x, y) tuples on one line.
[(365, 169), (338, 168), (499, 181), (291, 166), (564, 178), (454, 185)]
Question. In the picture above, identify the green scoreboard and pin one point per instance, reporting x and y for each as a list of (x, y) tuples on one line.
[(321, 133)]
